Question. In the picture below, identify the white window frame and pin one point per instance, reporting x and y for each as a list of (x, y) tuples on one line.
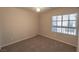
[(64, 27)]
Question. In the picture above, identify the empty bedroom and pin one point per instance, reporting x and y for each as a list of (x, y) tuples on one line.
[(39, 29)]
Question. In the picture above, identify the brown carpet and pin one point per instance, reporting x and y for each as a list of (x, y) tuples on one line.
[(39, 44)]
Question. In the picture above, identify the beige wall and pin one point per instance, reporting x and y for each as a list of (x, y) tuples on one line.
[(78, 41), (78, 36), (0, 29), (45, 25), (18, 24)]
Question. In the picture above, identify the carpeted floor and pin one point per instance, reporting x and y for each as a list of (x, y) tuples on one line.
[(39, 44)]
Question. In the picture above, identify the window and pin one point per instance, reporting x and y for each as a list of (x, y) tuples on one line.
[(64, 24)]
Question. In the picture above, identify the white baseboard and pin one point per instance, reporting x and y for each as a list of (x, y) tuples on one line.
[(57, 39), (18, 41)]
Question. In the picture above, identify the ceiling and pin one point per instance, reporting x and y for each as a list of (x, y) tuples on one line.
[(42, 9)]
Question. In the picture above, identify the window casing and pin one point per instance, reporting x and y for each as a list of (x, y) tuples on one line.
[(65, 24)]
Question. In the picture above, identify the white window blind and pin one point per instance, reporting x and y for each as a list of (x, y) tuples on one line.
[(64, 24)]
